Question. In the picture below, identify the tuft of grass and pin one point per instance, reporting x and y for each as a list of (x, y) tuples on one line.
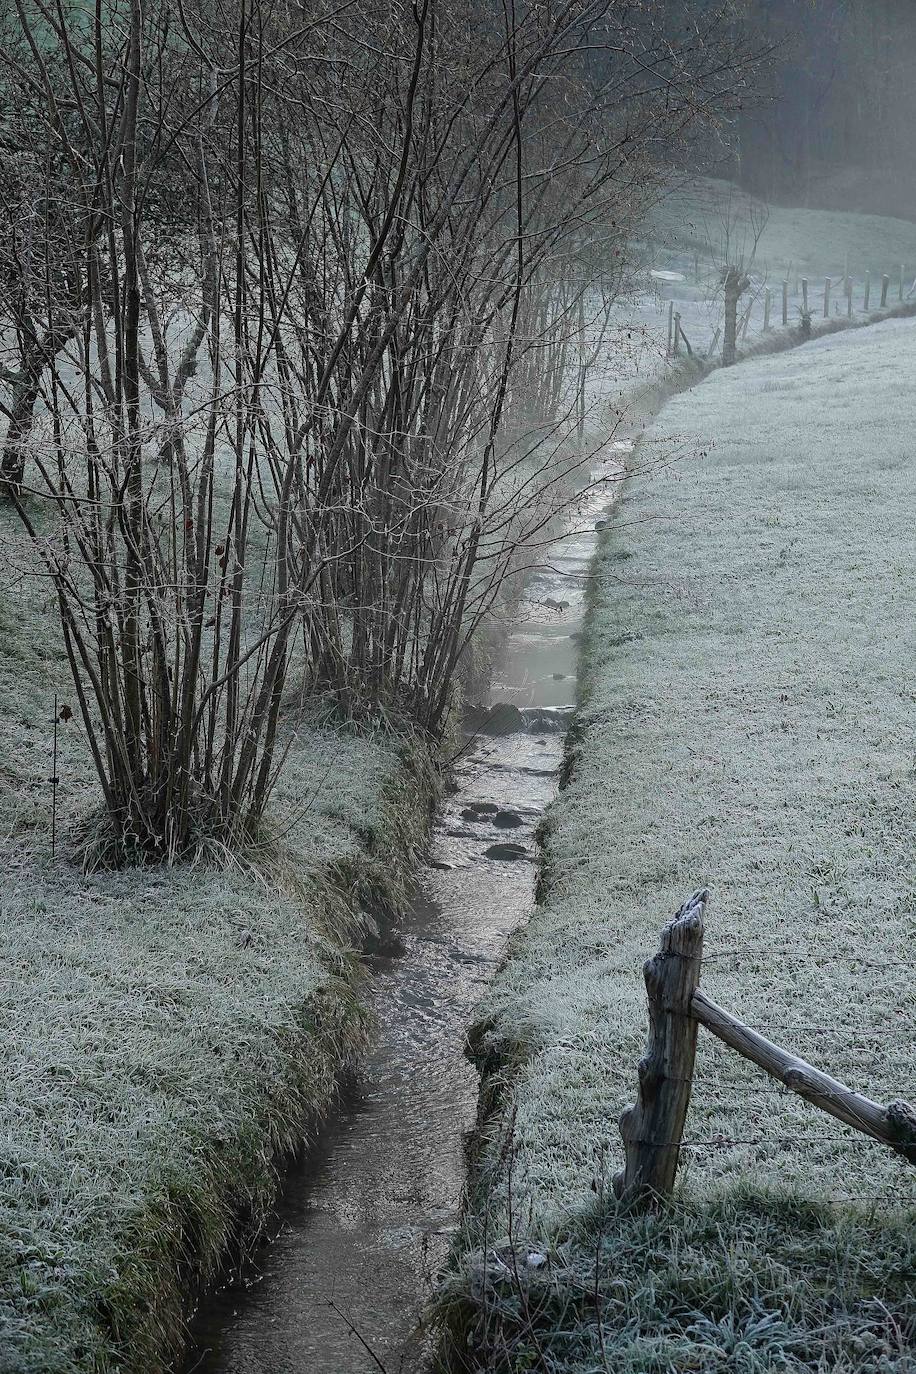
[(750, 1282), (746, 722)]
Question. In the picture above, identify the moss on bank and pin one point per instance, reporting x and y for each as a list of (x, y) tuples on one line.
[(746, 720)]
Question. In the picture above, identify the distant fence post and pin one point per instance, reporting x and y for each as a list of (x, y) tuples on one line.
[(827, 285), (804, 287), (653, 1127), (747, 318), (867, 289), (885, 283), (766, 309), (902, 274), (785, 302), (677, 333), (670, 326), (849, 296)]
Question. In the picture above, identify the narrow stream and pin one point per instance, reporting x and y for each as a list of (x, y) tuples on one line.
[(364, 1220)]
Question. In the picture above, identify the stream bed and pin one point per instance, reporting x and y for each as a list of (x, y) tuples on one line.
[(364, 1219)]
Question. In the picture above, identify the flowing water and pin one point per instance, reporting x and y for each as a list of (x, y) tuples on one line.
[(364, 1219)]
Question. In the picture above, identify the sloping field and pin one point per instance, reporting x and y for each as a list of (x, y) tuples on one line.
[(793, 240), (747, 722), (682, 252)]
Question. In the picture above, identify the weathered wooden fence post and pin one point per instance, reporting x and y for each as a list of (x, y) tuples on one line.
[(677, 334), (785, 302), (736, 283), (670, 326), (766, 309), (804, 287), (827, 285), (747, 319), (902, 274), (885, 283), (867, 290), (653, 1127), (848, 296)]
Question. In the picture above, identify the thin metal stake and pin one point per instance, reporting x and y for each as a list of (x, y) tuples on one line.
[(54, 787)]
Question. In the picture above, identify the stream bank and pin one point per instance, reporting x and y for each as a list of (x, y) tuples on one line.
[(744, 723), (365, 1220)]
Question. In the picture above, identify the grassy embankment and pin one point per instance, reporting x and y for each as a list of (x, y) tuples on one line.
[(165, 1034), (747, 721)]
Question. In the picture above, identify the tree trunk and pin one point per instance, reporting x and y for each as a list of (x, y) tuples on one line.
[(26, 388), (736, 283)]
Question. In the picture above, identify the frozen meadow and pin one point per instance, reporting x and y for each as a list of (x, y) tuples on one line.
[(165, 1033), (163, 1030), (746, 722)]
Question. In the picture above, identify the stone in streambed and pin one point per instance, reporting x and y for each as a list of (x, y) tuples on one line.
[(506, 850), (501, 719), (507, 820)]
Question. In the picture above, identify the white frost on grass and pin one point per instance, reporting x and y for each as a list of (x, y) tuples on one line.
[(162, 1032), (681, 255), (817, 243), (747, 722)]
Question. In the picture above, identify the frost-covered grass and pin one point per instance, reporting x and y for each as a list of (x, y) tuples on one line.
[(746, 721), (164, 1034), (684, 236), (794, 240)]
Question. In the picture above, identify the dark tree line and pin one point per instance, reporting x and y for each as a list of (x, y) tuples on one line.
[(833, 126)]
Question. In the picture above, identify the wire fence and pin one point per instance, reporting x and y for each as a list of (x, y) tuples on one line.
[(789, 302)]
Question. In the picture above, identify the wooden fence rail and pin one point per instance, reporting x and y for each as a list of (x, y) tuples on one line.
[(652, 1129)]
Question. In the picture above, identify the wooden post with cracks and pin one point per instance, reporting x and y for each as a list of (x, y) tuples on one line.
[(653, 1126), (652, 1129)]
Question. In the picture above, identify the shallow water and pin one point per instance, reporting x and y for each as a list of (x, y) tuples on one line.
[(365, 1217)]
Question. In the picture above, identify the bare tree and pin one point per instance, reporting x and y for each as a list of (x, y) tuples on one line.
[(732, 235), (298, 325)]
